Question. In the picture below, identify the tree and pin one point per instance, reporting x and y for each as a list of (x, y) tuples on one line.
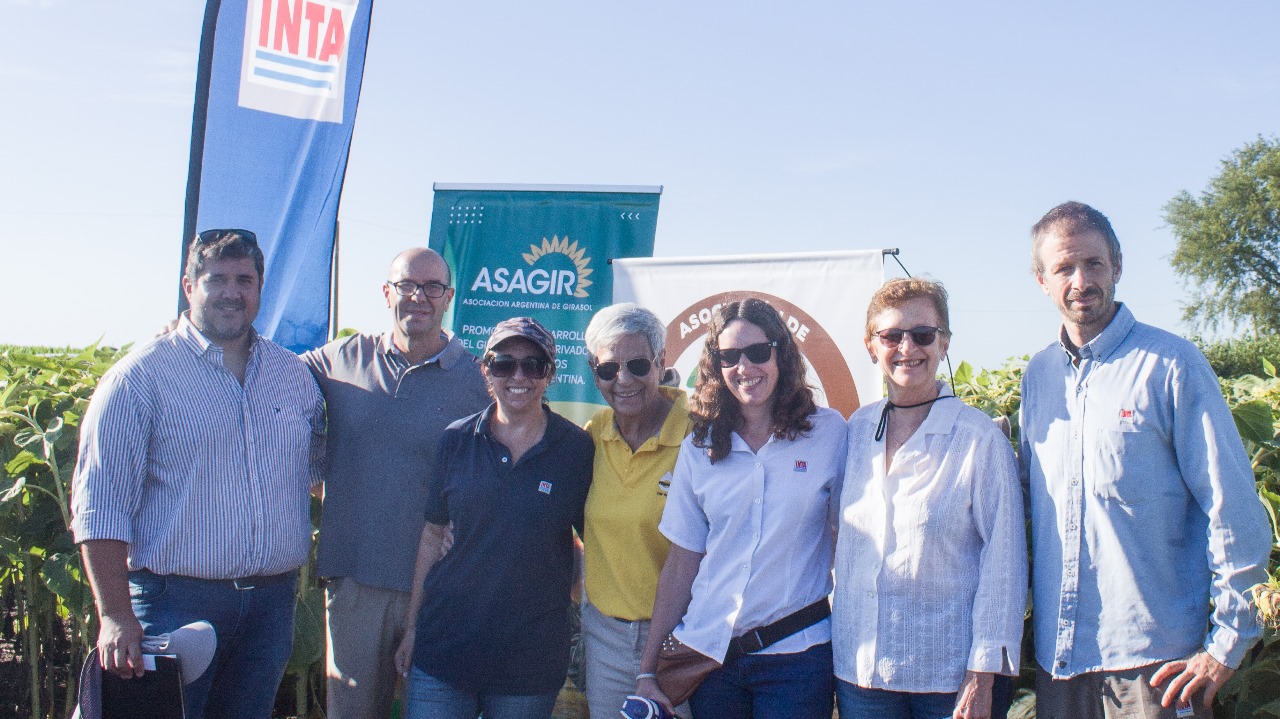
[(1229, 242)]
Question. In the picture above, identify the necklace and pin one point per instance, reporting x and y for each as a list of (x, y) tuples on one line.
[(889, 406)]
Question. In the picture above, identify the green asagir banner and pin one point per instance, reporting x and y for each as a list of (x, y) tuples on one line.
[(543, 252)]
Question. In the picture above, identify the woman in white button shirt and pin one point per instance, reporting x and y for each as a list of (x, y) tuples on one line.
[(931, 562), (749, 515)]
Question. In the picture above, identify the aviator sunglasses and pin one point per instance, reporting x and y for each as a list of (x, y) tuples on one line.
[(921, 336), (504, 366), (757, 353), (638, 367)]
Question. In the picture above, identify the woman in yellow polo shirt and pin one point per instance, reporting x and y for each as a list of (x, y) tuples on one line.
[(637, 440)]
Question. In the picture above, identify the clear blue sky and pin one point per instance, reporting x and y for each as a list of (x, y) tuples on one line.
[(944, 129)]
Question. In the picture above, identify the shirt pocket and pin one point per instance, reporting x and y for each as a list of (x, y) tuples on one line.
[(291, 426), (1120, 468)]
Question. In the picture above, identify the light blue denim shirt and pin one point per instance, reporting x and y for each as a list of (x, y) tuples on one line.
[(1147, 531)]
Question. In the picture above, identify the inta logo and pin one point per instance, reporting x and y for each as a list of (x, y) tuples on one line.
[(294, 61)]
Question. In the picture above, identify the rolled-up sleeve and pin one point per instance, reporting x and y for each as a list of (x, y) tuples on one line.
[(107, 487)]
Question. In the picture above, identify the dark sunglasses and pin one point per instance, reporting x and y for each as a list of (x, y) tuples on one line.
[(638, 367), (921, 336), (504, 366), (209, 237), (757, 353)]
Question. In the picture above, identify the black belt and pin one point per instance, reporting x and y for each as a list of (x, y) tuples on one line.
[(761, 637), (254, 582)]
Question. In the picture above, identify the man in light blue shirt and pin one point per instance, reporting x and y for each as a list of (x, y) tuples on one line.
[(1147, 533)]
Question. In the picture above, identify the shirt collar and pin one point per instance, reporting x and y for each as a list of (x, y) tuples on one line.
[(388, 347), (1101, 347), (486, 416), (942, 415), (674, 428)]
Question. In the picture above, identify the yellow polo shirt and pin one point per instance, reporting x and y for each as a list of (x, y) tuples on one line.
[(624, 549)]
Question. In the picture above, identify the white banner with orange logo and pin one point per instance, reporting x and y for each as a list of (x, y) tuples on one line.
[(822, 297)]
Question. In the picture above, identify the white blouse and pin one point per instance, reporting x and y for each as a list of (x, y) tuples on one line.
[(931, 559), (764, 521)]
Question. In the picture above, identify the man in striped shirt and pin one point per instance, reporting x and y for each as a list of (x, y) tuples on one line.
[(190, 500)]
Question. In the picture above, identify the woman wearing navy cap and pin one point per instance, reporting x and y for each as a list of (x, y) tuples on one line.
[(488, 624)]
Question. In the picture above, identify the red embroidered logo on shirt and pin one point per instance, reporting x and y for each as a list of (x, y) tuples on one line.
[(802, 466), (544, 487)]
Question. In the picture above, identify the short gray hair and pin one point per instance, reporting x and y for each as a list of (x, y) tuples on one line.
[(625, 318)]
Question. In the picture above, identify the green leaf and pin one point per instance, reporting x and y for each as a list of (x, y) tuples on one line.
[(14, 491), (64, 577), (1270, 709), (9, 550), (26, 437), (1269, 368), (21, 462), (1254, 421), (308, 630)]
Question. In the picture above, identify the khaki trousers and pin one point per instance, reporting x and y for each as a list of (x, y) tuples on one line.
[(1124, 694), (364, 626), (613, 648)]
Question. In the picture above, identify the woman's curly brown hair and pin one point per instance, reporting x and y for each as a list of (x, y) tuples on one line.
[(714, 409)]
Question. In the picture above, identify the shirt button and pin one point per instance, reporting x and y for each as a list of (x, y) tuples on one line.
[(504, 460), (1079, 388)]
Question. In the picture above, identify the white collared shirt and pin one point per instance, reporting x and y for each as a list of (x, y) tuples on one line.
[(764, 522), (931, 562)]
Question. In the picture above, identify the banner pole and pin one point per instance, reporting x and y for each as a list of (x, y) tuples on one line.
[(199, 118), (333, 282)]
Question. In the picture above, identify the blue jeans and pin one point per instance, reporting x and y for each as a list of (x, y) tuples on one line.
[(769, 686), (254, 624), (431, 698), (859, 703)]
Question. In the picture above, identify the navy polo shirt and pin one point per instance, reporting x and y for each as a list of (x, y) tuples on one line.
[(495, 613)]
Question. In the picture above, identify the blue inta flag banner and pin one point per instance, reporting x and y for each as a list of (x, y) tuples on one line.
[(541, 251), (276, 94)]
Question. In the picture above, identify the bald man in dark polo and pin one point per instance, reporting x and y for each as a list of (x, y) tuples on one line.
[(389, 397)]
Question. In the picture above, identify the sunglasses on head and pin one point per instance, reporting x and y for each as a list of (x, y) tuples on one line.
[(757, 353), (921, 336), (638, 367), (209, 237), (504, 366)]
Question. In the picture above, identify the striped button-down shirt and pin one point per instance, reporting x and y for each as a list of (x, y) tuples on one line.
[(200, 475)]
